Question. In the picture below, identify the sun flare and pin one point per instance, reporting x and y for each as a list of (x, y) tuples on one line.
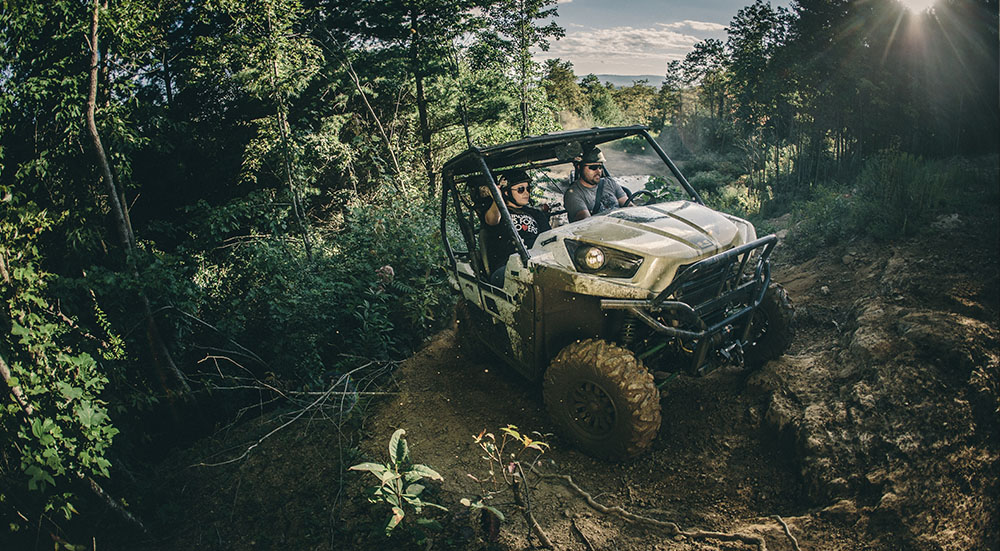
[(917, 6)]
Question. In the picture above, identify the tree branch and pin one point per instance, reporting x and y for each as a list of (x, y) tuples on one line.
[(15, 389)]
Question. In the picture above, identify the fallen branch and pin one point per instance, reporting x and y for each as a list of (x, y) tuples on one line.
[(788, 532), (112, 503), (671, 528), (16, 391), (315, 403)]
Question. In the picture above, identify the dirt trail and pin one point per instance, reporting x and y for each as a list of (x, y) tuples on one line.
[(876, 431)]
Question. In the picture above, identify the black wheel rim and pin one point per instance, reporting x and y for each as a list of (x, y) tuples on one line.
[(593, 410)]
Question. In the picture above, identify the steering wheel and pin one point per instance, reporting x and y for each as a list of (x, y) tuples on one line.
[(631, 197)]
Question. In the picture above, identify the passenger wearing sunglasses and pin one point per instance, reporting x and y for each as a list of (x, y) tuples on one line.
[(515, 186), (580, 198)]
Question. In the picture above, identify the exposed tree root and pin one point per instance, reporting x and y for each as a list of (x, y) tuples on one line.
[(525, 506), (795, 543), (670, 528)]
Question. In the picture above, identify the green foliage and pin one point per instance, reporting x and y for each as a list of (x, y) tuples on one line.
[(666, 190), (54, 419), (373, 290), (822, 221), (399, 486), (561, 88), (510, 469), (897, 195)]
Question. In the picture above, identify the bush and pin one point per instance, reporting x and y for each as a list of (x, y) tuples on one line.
[(708, 182), (897, 193), (374, 289), (822, 221), (55, 423)]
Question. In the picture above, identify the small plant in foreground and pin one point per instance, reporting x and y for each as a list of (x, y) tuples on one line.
[(507, 470), (399, 483)]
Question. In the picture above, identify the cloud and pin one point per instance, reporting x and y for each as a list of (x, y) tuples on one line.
[(622, 50), (705, 26), (623, 41)]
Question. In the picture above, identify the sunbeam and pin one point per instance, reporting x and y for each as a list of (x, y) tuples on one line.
[(917, 6)]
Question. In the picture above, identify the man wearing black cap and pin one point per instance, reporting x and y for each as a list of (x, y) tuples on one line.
[(515, 186), (580, 199)]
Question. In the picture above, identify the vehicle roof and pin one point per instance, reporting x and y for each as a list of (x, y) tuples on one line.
[(555, 146)]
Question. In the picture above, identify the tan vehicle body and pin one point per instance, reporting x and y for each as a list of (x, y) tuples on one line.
[(675, 286)]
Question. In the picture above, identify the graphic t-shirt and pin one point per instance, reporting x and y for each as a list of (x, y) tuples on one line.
[(528, 222)]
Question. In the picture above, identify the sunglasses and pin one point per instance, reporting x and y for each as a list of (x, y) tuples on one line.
[(595, 167), (521, 189)]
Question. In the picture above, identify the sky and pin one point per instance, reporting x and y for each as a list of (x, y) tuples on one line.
[(637, 37)]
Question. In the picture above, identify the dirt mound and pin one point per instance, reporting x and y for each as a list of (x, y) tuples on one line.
[(893, 414)]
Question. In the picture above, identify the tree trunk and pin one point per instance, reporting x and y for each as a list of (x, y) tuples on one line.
[(418, 79), (286, 153), (163, 361), (525, 58), (167, 84)]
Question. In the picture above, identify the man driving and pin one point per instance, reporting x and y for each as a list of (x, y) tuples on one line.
[(580, 199)]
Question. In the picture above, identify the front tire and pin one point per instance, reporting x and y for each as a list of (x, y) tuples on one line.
[(602, 399), (771, 329)]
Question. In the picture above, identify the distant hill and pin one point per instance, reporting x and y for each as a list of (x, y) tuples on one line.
[(627, 80)]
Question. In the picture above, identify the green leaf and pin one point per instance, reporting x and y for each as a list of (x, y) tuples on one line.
[(435, 505), (18, 329), (422, 471), (495, 512), (38, 476), (374, 468), (429, 523), (387, 476), (398, 451), (394, 519), (69, 391), (414, 489), (89, 415)]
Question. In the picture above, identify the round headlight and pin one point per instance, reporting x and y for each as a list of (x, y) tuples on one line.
[(593, 258)]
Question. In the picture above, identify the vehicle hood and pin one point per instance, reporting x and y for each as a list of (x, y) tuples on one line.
[(679, 229), (667, 235)]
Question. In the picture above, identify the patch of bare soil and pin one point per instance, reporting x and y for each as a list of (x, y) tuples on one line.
[(876, 431)]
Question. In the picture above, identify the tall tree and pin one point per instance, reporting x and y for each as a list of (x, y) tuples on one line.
[(756, 33), (705, 66), (513, 28), (422, 33), (561, 86)]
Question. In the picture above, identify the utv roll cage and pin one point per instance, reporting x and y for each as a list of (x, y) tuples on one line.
[(532, 153)]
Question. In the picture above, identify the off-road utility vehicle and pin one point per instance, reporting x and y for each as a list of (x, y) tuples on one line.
[(672, 286)]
